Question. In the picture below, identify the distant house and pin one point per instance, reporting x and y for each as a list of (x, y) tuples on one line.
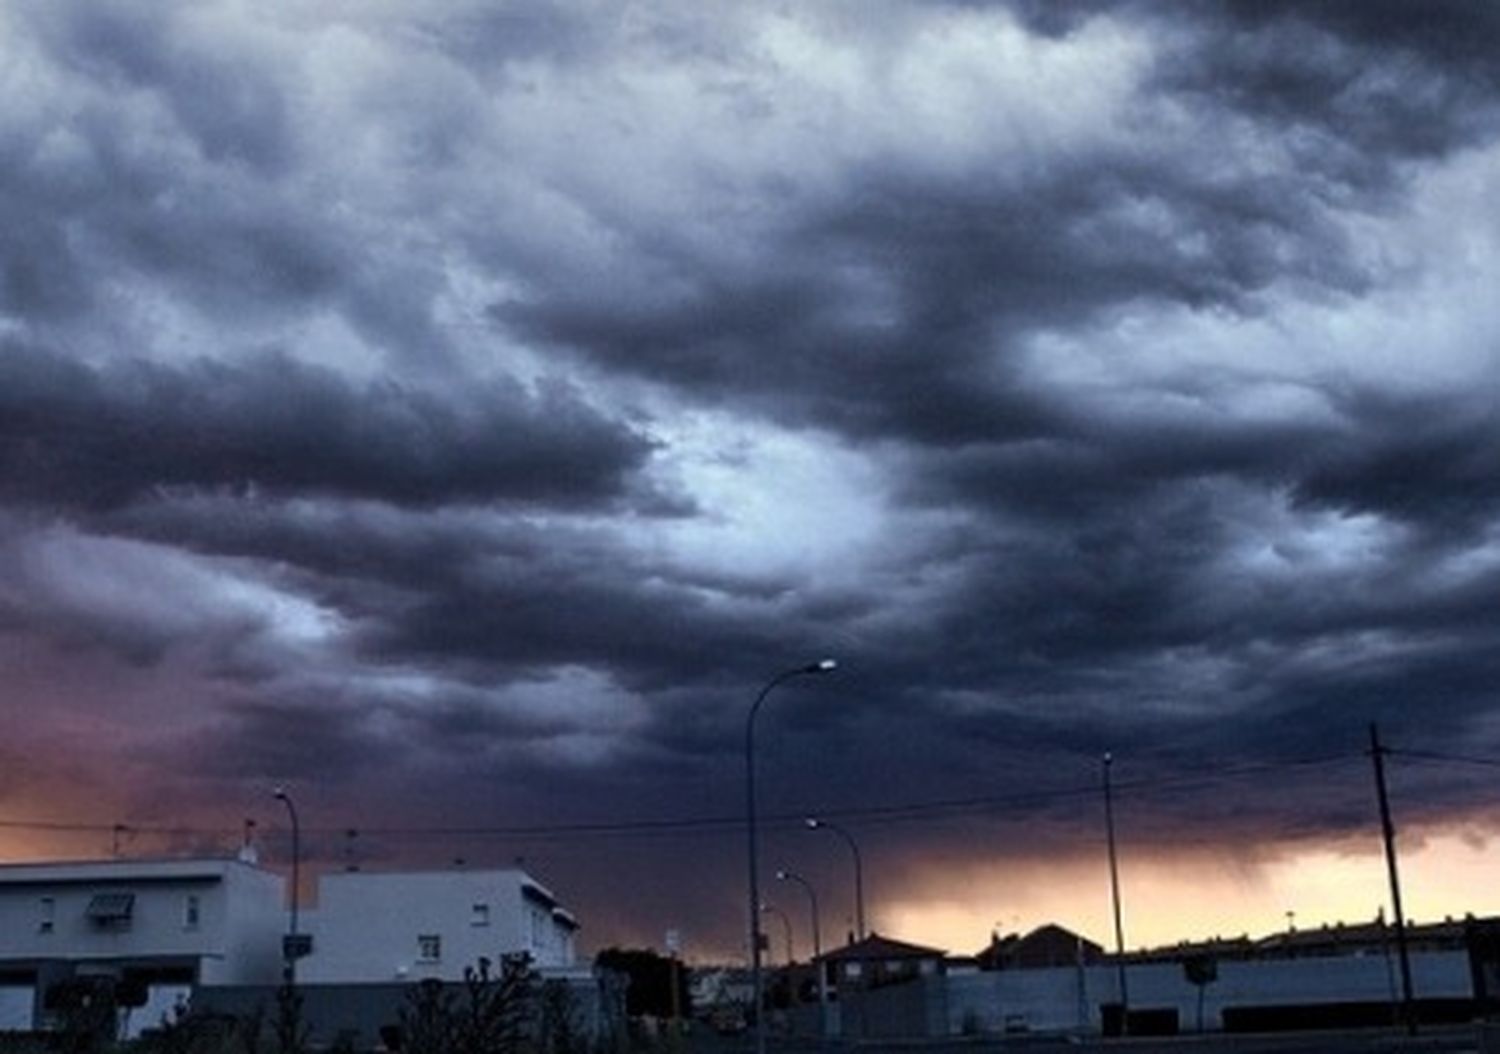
[(877, 961), (1376, 937), (1218, 949), (1044, 947), (1365, 938)]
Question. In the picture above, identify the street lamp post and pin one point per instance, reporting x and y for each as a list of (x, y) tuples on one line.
[(817, 943), (812, 898), (1114, 888), (786, 927), (289, 953), (816, 824), (756, 981)]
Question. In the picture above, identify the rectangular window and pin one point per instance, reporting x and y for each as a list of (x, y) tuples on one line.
[(479, 915), (47, 920), (429, 947), (191, 912), (111, 911)]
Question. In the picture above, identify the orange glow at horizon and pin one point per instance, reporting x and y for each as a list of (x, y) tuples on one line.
[(1184, 896)]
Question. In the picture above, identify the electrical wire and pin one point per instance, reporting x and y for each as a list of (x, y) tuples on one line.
[(862, 815), (1440, 758)]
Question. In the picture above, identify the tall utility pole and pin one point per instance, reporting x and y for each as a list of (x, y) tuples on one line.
[(1114, 888), (1388, 831)]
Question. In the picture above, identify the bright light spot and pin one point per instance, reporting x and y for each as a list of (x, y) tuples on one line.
[(789, 504)]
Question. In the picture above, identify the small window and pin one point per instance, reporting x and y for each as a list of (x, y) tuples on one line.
[(479, 915), (111, 910), (429, 947), (192, 912), (47, 920), (852, 969)]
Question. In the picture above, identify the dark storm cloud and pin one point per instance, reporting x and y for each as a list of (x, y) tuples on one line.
[(254, 743), (1427, 461), (232, 108), (898, 307), (1448, 32), (1393, 76), (487, 38), (560, 606), (959, 269), (100, 438), (128, 184), (1352, 89), (962, 272), (377, 569), (492, 598)]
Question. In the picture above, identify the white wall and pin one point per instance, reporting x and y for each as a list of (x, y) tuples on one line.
[(158, 927), (254, 923), (367, 927), (161, 1006), (16, 1003), (1049, 1000)]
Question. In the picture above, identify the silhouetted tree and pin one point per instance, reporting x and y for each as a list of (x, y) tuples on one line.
[(487, 1014), (429, 1020), (289, 1028), (85, 1011), (650, 974), (560, 1028)]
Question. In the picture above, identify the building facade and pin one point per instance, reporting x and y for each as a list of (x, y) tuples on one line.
[(164, 932), (167, 926), (378, 928)]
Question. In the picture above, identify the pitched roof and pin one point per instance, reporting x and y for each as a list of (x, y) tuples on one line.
[(877, 947), (1012, 942)]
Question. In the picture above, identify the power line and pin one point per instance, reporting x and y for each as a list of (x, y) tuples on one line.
[(679, 826), (1440, 758)]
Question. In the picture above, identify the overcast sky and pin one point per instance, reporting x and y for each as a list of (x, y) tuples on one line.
[(458, 411)]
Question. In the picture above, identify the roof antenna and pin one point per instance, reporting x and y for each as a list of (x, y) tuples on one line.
[(248, 853)]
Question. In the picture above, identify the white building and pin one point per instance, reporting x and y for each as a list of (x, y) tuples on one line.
[(169, 925), (173, 928), (372, 927)]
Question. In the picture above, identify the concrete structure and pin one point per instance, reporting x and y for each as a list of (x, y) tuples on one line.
[(1054, 981), (210, 931), (380, 928), (1071, 999), (168, 925)]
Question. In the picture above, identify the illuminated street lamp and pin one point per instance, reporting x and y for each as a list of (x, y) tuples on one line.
[(816, 824), (756, 981)]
